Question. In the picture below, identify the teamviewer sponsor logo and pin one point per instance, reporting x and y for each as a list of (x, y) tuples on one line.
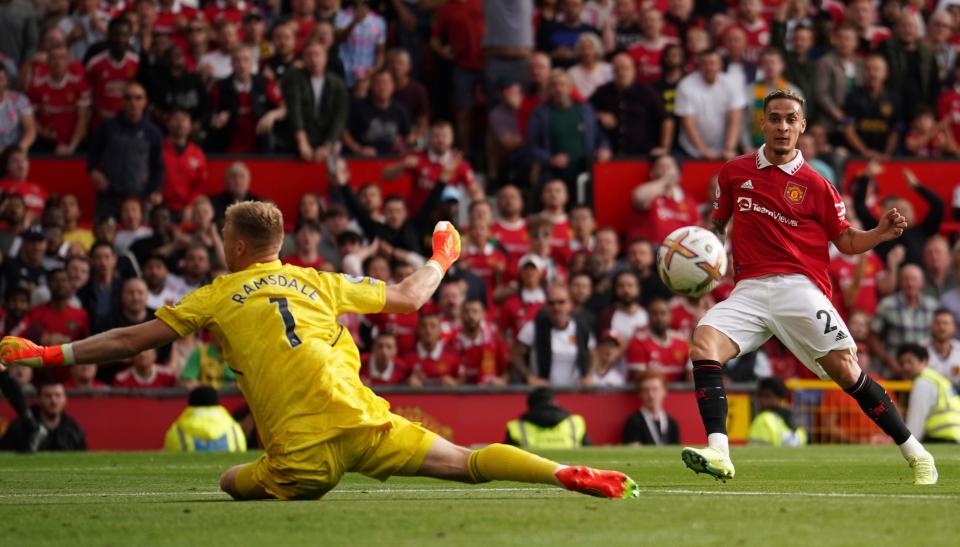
[(744, 203)]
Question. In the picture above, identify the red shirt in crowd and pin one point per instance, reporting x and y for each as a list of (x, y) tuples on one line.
[(518, 309), (948, 108), (108, 78), (394, 373), (682, 315), (34, 195), (513, 238), (647, 58), (221, 10), (664, 215), (243, 136), (295, 260), (785, 216), (402, 325), (55, 103), (433, 365), (184, 174), (484, 358), (842, 272), (427, 173), (758, 38), (173, 22), (459, 24), (669, 356), (162, 377), (70, 322), (488, 262)]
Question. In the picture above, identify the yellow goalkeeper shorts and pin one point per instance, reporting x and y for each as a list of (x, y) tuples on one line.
[(379, 452)]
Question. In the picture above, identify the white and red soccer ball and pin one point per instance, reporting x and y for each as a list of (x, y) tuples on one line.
[(691, 261)]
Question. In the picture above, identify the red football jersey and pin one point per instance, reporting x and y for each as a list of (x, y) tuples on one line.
[(55, 103), (433, 365), (183, 176), (394, 373), (162, 377), (513, 238), (426, 174), (71, 322), (664, 215), (34, 195), (669, 356), (488, 262), (758, 38), (785, 216), (402, 325), (948, 109), (842, 271), (295, 260), (215, 11), (647, 58), (518, 309), (483, 358), (109, 77)]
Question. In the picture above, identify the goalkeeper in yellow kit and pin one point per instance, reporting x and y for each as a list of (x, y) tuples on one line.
[(299, 372)]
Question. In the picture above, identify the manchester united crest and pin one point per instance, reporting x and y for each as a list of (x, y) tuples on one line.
[(794, 193)]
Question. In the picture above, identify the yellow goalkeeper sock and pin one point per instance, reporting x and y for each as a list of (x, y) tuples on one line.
[(500, 462)]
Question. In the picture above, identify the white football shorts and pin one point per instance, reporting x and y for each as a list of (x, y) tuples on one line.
[(789, 307)]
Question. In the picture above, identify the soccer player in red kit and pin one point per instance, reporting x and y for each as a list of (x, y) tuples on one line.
[(785, 215)]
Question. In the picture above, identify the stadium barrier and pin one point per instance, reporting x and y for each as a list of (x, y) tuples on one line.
[(285, 180), (138, 420), (832, 416)]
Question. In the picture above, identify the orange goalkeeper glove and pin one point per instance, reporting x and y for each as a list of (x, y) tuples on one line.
[(446, 247), (16, 351)]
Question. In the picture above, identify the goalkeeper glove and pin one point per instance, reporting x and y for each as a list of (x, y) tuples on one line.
[(446, 247), (16, 351)]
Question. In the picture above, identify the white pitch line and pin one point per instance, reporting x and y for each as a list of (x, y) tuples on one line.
[(650, 491)]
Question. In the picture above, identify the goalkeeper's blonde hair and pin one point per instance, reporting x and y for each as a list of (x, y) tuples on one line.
[(260, 223)]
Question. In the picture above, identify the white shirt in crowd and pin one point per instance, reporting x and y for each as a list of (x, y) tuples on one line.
[(624, 325), (948, 365), (923, 395), (563, 344), (173, 290), (708, 104), (126, 238), (588, 82)]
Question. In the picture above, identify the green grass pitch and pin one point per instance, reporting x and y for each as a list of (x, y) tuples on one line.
[(816, 496)]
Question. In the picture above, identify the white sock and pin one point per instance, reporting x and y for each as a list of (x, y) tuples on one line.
[(720, 442), (911, 447)]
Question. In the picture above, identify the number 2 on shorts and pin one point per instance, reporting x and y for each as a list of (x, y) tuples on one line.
[(290, 325), (829, 327)]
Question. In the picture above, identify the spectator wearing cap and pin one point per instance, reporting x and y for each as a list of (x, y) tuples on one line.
[(631, 113), (205, 426), (163, 288), (838, 72), (378, 125), (16, 180), (913, 73), (874, 114), (650, 424), (609, 368), (245, 108), (126, 155), (710, 107), (659, 348), (774, 424), (25, 269), (17, 124), (540, 235), (554, 349), (563, 135), (527, 301), (236, 181), (410, 94), (58, 430), (185, 172), (144, 373), (506, 156), (316, 103), (546, 426)]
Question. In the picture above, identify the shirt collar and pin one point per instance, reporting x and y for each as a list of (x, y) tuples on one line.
[(790, 168)]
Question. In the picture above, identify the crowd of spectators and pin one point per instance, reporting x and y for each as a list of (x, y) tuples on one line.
[(494, 109)]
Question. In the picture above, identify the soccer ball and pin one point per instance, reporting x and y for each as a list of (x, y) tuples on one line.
[(691, 261)]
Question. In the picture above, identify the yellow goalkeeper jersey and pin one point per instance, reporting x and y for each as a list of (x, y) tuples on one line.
[(297, 367)]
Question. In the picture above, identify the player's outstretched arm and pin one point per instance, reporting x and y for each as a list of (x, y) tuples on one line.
[(414, 291), (853, 241), (112, 345)]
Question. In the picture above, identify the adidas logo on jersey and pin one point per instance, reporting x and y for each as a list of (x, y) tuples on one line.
[(747, 185), (840, 336)]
